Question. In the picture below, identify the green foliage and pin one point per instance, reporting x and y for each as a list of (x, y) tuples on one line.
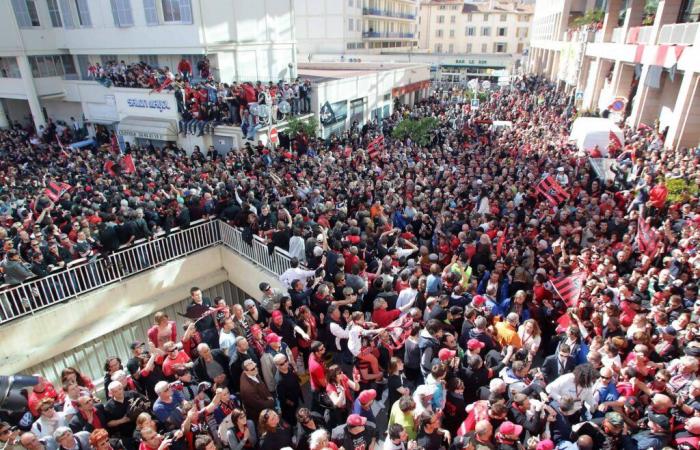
[(679, 190), (591, 16), (416, 130), (307, 127)]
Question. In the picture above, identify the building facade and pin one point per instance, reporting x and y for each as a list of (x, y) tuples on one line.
[(483, 28), (46, 47), (639, 64), (364, 26)]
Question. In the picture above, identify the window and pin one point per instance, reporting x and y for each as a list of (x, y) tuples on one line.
[(520, 48), (438, 48), (25, 12), (351, 46), (451, 48), (522, 32), (440, 19), (66, 13), (500, 47), (149, 7), (523, 18), (453, 19), (442, 7), (177, 11), (471, 31), (502, 31), (83, 13), (469, 48), (504, 17), (351, 23), (470, 17), (452, 33), (54, 13), (121, 11), (485, 31), (358, 25), (52, 65), (438, 33), (9, 67), (484, 48), (486, 17)]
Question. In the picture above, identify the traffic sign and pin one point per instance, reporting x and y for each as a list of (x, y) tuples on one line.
[(274, 137)]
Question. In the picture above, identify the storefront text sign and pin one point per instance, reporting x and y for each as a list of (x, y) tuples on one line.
[(160, 105)]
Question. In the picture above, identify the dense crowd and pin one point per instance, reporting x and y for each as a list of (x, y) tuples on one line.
[(419, 305), (203, 102)]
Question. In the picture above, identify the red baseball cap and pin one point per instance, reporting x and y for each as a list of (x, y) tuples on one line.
[(479, 300), (546, 444), (510, 429), (356, 420), (272, 338), (367, 396), (446, 354), (276, 314), (475, 344)]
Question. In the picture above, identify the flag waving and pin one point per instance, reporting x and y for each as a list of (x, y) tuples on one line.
[(128, 164), (569, 288), (614, 140), (552, 191), (375, 146), (55, 190), (647, 241)]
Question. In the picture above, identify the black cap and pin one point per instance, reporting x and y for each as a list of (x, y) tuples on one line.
[(660, 420), (264, 286)]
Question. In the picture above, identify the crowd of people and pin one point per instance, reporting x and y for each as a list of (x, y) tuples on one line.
[(202, 102), (420, 305)]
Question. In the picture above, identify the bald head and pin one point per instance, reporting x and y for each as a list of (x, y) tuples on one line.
[(484, 430), (584, 442)]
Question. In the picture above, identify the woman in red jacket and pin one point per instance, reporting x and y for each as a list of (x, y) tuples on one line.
[(163, 331)]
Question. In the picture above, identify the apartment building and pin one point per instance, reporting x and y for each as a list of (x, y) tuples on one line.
[(354, 26), (487, 27), (46, 47), (639, 63)]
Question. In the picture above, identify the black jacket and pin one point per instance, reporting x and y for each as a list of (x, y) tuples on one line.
[(200, 367), (78, 423), (551, 369)]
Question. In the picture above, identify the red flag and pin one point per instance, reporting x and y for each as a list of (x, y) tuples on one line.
[(114, 143), (552, 191), (162, 86), (569, 288), (128, 164), (108, 168), (55, 190), (647, 241), (614, 140), (375, 146)]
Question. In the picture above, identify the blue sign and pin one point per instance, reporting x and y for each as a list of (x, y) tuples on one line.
[(160, 105)]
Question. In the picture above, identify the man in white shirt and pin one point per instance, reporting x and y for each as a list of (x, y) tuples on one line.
[(226, 337), (297, 273), (407, 295)]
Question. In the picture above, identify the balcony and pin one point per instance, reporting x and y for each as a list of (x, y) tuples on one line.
[(387, 35), (639, 35), (678, 34), (390, 14)]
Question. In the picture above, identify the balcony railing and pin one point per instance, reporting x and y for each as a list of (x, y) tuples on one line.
[(88, 274), (377, 34), (256, 252), (385, 13), (618, 35), (639, 35), (678, 34)]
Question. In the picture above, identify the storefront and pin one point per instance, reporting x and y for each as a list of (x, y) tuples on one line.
[(147, 118)]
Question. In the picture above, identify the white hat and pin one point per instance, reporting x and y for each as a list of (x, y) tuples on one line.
[(161, 386), (425, 390), (560, 169)]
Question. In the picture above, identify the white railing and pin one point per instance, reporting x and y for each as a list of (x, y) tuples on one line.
[(678, 34), (618, 35), (257, 251), (639, 35), (88, 274)]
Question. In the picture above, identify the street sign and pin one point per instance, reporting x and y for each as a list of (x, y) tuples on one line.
[(274, 137)]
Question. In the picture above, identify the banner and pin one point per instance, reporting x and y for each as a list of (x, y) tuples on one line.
[(552, 191), (569, 288), (55, 190)]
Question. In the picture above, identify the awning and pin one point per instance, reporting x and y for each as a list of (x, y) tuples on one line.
[(148, 128), (82, 144)]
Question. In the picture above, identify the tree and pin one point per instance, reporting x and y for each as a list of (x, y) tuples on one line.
[(307, 127), (419, 131)]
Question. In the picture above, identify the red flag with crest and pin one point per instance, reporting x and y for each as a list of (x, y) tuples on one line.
[(647, 241), (569, 287), (552, 191)]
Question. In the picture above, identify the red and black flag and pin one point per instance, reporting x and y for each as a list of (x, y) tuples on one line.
[(54, 190), (569, 288), (552, 191), (374, 147), (128, 164), (614, 140), (647, 241)]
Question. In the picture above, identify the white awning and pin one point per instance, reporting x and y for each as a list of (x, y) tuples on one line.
[(148, 128)]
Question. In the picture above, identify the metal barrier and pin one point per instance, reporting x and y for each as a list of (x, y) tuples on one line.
[(87, 275), (257, 251)]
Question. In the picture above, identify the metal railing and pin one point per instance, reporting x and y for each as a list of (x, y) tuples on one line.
[(88, 274), (385, 13), (377, 34), (257, 251), (678, 33)]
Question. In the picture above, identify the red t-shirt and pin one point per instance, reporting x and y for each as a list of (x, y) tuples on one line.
[(317, 373), (169, 364), (383, 317)]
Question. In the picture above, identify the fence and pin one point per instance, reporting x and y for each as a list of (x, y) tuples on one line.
[(89, 274), (257, 251)]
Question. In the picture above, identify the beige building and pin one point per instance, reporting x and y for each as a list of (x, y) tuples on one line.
[(478, 28), (640, 64)]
